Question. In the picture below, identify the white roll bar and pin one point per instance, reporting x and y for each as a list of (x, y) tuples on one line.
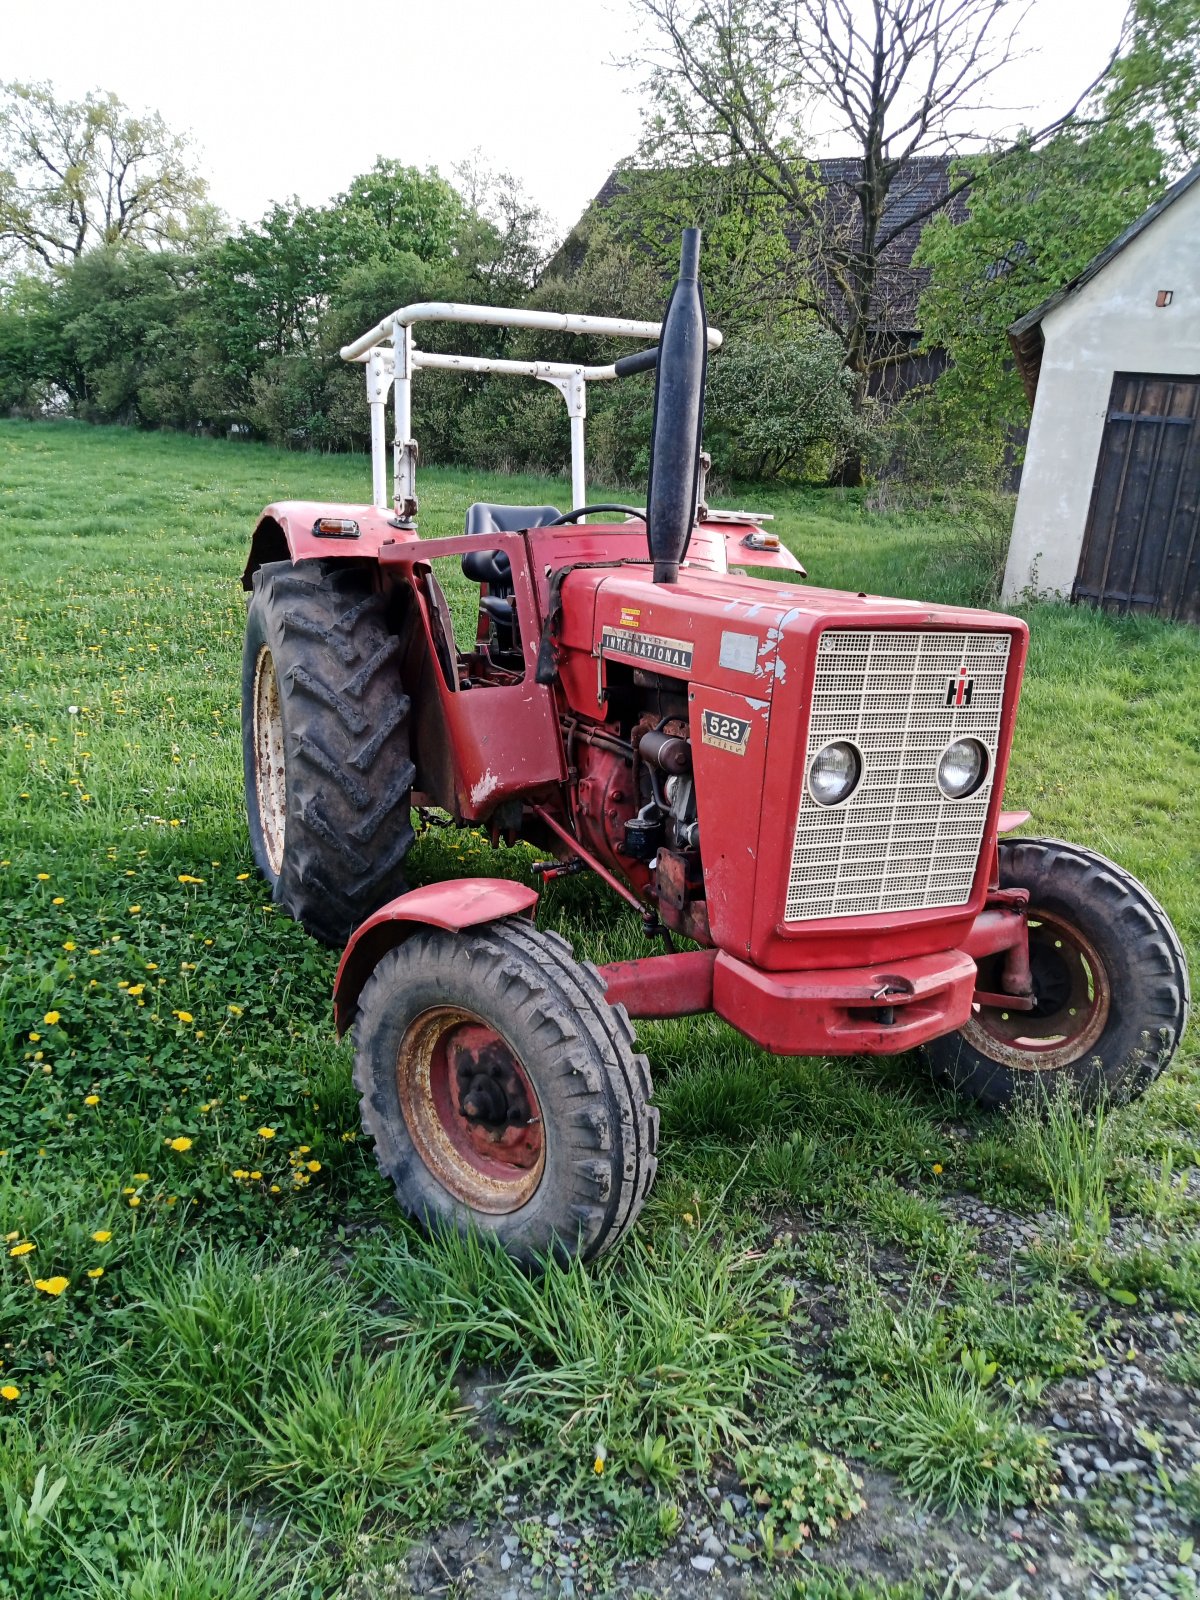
[(391, 357)]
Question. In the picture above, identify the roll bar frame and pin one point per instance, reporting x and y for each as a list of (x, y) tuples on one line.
[(391, 357)]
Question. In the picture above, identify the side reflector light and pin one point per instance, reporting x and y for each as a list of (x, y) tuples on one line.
[(335, 528)]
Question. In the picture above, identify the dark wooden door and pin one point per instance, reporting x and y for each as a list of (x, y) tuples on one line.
[(1141, 548)]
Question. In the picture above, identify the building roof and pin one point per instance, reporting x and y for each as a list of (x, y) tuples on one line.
[(919, 191), (1025, 335)]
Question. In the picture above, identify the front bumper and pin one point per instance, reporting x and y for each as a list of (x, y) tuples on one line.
[(878, 1010)]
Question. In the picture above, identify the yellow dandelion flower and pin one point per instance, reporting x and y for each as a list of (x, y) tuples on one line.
[(102, 1236), (43, 877), (256, 1176), (91, 1099), (128, 1190), (235, 1011), (185, 1016), (266, 1133), (95, 1272), (141, 1177), (133, 910), (274, 1188), (51, 1018), (240, 1172), (10, 1392), (186, 877), (181, 1144), (9, 1237), (23, 1249), (94, 952), (135, 1200), (54, 1285), (242, 876), (69, 944), (314, 1166), (304, 1149), (58, 900), (937, 1169), (34, 1037)]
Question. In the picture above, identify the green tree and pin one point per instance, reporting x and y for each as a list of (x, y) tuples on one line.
[(1038, 214), (75, 174)]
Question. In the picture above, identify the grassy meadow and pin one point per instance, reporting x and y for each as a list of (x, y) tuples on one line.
[(230, 1370)]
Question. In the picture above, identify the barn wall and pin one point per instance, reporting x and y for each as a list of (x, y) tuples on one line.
[(1111, 325)]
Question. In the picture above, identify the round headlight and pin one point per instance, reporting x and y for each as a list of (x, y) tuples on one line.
[(962, 769), (834, 773)]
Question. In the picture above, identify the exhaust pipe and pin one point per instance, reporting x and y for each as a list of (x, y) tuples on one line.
[(678, 417)]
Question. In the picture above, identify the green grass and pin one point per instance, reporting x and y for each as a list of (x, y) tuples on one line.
[(249, 1335)]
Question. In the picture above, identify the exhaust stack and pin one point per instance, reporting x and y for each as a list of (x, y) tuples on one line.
[(678, 417)]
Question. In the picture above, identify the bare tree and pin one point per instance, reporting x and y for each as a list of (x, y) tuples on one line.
[(74, 174), (899, 79)]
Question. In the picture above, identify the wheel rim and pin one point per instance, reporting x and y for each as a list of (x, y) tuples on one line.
[(472, 1113), (1073, 994), (270, 784)]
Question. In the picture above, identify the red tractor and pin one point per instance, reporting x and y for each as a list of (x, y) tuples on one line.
[(804, 785)]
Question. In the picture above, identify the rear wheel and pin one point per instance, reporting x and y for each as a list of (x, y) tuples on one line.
[(503, 1092), (325, 744), (1110, 986)]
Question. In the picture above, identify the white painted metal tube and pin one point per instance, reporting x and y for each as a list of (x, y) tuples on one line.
[(578, 465), (506, 317), (379, 494), (516, 369)]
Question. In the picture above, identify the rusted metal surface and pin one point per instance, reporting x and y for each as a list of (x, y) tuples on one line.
[(1072, 993), (1141, 547), (471, 1110)]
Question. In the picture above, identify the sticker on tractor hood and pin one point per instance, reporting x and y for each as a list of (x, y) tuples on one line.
[(647, 647), (727, 733)]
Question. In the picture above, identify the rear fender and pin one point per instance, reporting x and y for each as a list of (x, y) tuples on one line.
[(284, 532), (452, 906)]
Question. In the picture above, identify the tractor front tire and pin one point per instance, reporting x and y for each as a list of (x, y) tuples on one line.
[(1110, 985), (325, 744), (503, 1093)]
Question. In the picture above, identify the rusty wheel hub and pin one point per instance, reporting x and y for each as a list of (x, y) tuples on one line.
[(1073, 997), (472, 1113), (269, 759)]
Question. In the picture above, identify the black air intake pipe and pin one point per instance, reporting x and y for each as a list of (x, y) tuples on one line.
[(678, 417)]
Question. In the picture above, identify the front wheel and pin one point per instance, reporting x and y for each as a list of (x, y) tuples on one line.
[(1110, 985), (502, 1091)]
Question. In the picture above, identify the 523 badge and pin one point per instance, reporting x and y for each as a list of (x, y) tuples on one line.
[(727, 733)]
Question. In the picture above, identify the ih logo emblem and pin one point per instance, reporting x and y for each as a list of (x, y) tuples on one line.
[(958, 690)]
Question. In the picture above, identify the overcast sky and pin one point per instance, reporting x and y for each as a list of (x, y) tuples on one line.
[(297, 97)]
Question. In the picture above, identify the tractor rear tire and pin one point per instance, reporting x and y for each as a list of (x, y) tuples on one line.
[(1110, 982), (503, 1093), (325, 744)]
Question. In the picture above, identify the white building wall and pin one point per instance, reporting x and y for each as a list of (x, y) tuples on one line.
[(1111, 325)]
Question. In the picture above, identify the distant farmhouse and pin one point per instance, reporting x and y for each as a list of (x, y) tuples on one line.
[(1109, 508), (920, 191)]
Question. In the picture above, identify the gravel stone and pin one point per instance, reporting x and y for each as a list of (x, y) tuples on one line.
[(703, 1563)]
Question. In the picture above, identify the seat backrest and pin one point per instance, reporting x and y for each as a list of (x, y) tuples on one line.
[(484, 518)]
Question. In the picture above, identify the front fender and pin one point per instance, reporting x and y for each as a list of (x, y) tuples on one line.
[(285, 532), (454, 905)]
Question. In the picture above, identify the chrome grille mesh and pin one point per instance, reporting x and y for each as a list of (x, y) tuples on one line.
[(897, 844)]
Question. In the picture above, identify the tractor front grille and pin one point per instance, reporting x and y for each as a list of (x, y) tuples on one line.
[(897, 844)]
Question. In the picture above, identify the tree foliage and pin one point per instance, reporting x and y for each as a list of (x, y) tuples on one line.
[(77, 174), (1039, 213), (736, 81)]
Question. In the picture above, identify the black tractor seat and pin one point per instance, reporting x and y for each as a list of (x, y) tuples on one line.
[(493, 566), (483, 518)]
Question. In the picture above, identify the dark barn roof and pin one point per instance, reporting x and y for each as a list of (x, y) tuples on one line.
[(918, 192), (1025, 335)]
